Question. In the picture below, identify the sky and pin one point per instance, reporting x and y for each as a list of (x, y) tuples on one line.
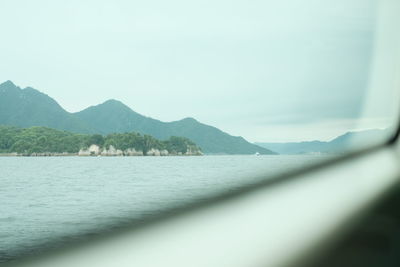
[(267, 70)]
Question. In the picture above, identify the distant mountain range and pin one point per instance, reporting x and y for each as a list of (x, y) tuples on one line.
[(29, 107), (340, 144)]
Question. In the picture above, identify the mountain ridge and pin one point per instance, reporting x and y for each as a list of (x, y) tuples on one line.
[(29, 107), (345, 142)]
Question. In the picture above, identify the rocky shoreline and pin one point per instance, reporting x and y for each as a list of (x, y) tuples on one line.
[(96, 151)]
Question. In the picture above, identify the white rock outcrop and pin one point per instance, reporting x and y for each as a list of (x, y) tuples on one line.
[(132, 152), (153, 152), (93, 150), (112, 151), (193, 151)]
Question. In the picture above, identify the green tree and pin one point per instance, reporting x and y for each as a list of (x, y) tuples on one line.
[(96, 139)]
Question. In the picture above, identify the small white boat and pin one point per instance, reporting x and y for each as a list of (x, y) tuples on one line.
[(257, 154)]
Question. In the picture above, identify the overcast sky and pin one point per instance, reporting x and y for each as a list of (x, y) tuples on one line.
[(268, 70)]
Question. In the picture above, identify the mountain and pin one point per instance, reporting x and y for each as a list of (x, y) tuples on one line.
[(114, 116), (340, 144), (294, 147), (29, 107)]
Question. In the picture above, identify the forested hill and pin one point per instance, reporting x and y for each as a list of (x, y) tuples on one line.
[(41, 140), (29, 107), (114, 116)]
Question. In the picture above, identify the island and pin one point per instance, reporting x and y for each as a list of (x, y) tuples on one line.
[(43, 141), (27, 107)]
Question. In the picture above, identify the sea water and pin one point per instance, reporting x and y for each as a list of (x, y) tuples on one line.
[(52, 200)]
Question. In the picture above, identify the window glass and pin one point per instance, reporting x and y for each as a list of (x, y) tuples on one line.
[(114, 111)]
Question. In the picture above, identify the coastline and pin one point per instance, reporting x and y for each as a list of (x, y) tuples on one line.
[(77, 155)]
